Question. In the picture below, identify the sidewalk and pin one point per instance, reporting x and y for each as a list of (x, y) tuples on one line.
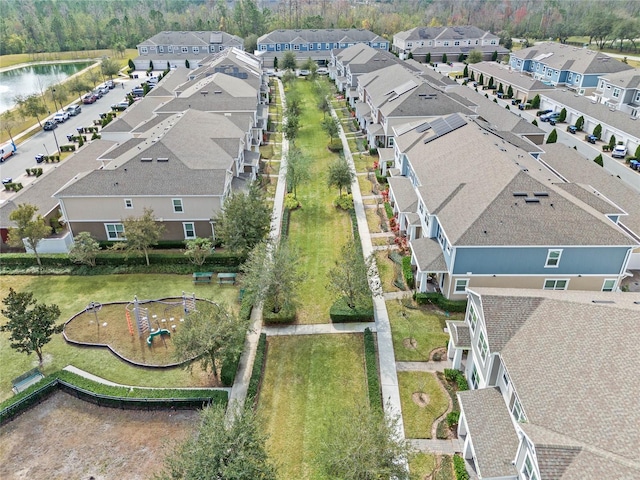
[(238, 393), (319, 328)]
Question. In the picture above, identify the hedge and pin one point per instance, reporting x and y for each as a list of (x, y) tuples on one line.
[(258, 366), (388, 209), (407, 271), (284, 227), (460, 468), (373, 380), (341, 313), (287, 313), (438, 299)]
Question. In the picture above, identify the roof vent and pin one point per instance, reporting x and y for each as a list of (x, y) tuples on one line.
[(602, 301), (163, 159), (532, 200), (204, 92), (519, 194), (217, 92), (540, 194), (146, 159)]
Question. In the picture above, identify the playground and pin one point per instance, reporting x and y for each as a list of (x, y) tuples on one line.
[(139, 331)]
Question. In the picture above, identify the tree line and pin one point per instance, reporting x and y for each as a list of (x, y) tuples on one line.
[(64, 25)]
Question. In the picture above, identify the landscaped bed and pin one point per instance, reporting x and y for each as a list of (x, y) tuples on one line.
[(307, 380), (423, 401)]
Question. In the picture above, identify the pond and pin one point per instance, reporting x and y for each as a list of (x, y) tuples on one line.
[(34, 79)]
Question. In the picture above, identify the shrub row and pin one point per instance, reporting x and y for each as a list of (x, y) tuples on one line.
[(68, 148), (341, 313), (460, 468), (458, 377), (284, 228), (287, 314), (438, 299), (389, 209), (258, 366), (34, 171), (370, 361), (16, 187), (408, 272), (354, 228)]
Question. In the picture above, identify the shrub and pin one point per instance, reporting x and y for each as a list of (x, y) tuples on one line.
[(381, 179), (291, 202), (388, 209), (228, 371), (284, 227), (599, 160), (258, 366), (373, 380), (407, 271), (345, 202), (535, 103), (460, 468), (287, 313), (341, 313), (453, 418), (597, 131), (442, 302)]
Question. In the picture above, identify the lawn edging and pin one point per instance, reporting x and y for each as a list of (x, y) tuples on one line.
[(109, 396)]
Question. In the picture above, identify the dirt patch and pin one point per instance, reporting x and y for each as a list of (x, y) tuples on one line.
[(438, 354), (410, 343), (420, 398), (66, 438)]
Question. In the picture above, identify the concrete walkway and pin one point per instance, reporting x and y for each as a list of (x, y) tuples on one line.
[(319, 328), (238, 393), (423, 366), (444, 447), (95, 378), (386, 355)]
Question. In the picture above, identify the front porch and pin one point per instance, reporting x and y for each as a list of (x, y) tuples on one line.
[(459, 343)]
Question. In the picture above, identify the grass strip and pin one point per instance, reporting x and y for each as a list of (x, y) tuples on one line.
[(258, 367), (373, 378)]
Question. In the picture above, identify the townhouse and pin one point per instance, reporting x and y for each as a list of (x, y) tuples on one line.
[(547, 398), (478, 211), (175, 49), (621, 91), (454, 42), (556, 64), (316, 44)]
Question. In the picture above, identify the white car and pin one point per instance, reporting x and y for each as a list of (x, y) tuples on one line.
[(61, 117), (619, 151)]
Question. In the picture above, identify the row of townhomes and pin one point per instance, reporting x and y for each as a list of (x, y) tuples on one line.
[(537, 238)]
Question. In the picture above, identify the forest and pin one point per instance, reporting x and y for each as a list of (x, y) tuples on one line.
[(33, 26)]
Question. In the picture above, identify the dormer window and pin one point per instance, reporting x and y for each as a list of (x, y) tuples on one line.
[(553, 258)]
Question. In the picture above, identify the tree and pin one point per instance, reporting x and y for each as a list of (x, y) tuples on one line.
[(141, 233), (109, 67), (198, 249), (150, 65), (84, 250), (599, 160), (289, 61), (534, 122), (29, 230), (222, 449), (563, 115), (132, 65), (465, 72), (330, 126), (535, 103), (510, 92), (31, 106), (427, 58), (597, 131), (491, 82), (637, 153), (494, 56), (9, 122), (275, 63), (500, 88), (244, 220), (444, 58), (612, 142), (505, 40), (349, 277), (291, 127), (213, 335), (481, 79), (340, 175), (78, 86), (363, 444), (553, 136), (461, 57), (272, 275), (30, 324), (297, 170), (186, 63), (310, 65), (580, 122)]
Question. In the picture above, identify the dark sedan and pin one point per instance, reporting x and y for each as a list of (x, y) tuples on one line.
[(49, 125)]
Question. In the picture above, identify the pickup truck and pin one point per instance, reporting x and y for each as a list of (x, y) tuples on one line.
[(619, 151)]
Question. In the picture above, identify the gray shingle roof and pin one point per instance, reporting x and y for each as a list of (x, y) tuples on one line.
[(624, 79), (553, 461), (460, 334), (321, 35), (403, 193), (444, 33), (503, 74), (495, 441), (567, 57), (429, 256), (566, 377), (193, 39)]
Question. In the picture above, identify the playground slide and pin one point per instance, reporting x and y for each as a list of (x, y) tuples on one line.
[(162, 331)]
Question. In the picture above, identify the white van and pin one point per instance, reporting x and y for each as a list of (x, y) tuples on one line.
[(6, 150)]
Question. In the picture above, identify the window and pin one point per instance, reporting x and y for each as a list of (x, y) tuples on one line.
[(310, 46), (196, 49), (475, 378), (170, 49), (473, 318), (409, 44), (144, 50), (505, 378), (185, 49), (327, 46), (516, 410), (189, 230), (528, 472), (278, 47), (296, 47), (446, 44), (456, 43), (553, 258), (263, 47), (161, 49), (115, 231), (177, 205), (616, 92), (482, 345), (608, 285), (638, 97), (383, 46), (461, 285), (286, 46), (556, 284), (128, 203)]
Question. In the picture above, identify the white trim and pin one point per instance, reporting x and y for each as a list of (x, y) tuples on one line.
[(119, 234), (128, 203), (550, 252), (193, 229), (613, 287), (455, 285), (176, 205), (555, 284)]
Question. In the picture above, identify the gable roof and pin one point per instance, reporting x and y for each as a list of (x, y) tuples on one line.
[(193, 39), (328, 35), (445, 33)]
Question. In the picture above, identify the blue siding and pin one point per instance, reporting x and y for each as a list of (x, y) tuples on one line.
[(590, 81), (531, 260)]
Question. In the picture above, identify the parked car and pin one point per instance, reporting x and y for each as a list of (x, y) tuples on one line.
[(39, 158), (572, 129), (322, 71), (137, 92), (539, 113), (591, 138), (7, 180), (516, 101), (61, 117), (89, 98), (619, 151), (551, 116), (304, 73), (98, 93), (119, 107), (635, 164), (103, 89), (110, 84), (49, 125), (74, 110)]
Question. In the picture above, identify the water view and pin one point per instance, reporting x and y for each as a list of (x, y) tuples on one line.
[(33, 79)]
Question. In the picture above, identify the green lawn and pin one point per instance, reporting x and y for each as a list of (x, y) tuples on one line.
[(318, 229), (307, 380), (418, 419), (434, 467), (422, 324), (72, 294)]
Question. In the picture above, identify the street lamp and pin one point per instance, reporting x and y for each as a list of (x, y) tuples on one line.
[(56, 139)]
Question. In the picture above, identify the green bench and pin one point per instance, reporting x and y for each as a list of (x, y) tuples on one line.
[(227, 278), (202, 277)]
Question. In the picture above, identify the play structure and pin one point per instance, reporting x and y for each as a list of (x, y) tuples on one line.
[(139, 321)]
